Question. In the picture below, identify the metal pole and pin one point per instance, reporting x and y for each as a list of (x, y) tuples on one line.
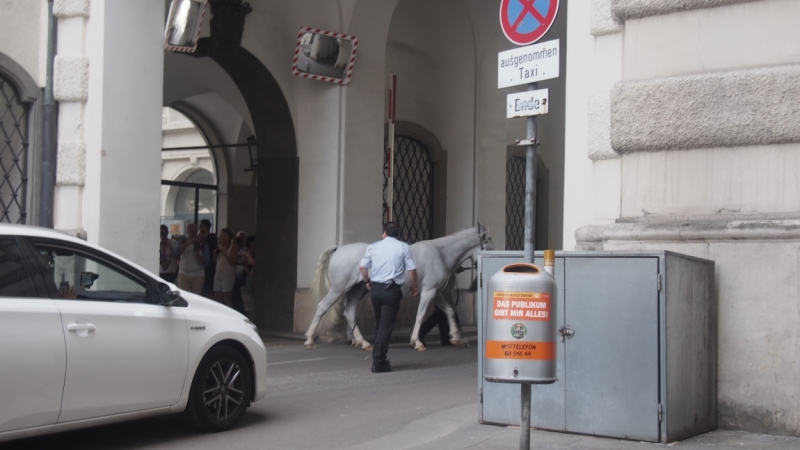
[(530, 234), (197, 206), (530, 187), (392, 109), (49, 129), (525, 418), (203, 147)]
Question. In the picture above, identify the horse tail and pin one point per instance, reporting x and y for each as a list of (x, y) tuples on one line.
[(320, 284)]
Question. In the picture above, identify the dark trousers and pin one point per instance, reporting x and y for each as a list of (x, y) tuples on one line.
[(437, 318), (386, 303), (236, 297), (171, 277), (208, 282)]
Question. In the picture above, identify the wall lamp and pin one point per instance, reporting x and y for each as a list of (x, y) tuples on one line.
[(252, 151)]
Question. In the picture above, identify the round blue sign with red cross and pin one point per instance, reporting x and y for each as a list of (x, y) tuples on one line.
[(526, 21)]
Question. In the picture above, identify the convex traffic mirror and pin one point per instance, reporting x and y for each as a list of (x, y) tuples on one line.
[(184, 21), (324, 55)]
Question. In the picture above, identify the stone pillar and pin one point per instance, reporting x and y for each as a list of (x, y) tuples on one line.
[(109, 82), (71, 89)]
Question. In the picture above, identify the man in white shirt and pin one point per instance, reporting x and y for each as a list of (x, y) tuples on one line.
[(389, 260)]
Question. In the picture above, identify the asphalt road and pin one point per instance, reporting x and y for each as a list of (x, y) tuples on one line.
[(324, 398)]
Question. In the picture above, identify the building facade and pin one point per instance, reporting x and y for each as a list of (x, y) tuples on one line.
[(682, 134), (674, 125)]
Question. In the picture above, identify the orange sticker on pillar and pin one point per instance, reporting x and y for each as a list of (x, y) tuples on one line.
[(521, 305)]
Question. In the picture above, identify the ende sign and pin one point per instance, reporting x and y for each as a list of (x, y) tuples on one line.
[(528, 103), (529, 64)]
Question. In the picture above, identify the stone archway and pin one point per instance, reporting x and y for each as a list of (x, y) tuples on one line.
[(278, 177), (278, 168)]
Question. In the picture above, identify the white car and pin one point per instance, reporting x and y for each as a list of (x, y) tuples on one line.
[(89, 338)]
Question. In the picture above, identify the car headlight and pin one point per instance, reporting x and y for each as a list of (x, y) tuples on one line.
[(251, 325)]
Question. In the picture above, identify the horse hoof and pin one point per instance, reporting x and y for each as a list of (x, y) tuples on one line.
[(420, 348), (368, 348), (310, 346)]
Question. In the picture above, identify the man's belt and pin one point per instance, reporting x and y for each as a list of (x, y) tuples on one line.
[(388, 285)]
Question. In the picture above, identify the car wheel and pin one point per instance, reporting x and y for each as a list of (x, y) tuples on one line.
[(221, 390)]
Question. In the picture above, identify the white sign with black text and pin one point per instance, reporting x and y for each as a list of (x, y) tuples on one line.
[(528, 103), (528, 64)]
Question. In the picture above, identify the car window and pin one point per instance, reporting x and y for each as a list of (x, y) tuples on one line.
[(15, 278), (84, 277)]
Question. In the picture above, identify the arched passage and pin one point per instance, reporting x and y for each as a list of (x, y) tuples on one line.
[(276, 276), (245, 96)]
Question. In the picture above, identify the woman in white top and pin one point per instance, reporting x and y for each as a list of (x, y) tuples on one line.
[(227, 256)]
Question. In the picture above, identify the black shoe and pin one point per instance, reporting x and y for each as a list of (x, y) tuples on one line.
[(385, 367)]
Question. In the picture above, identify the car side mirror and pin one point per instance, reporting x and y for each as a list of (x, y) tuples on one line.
[(88, 279), (168, 296)]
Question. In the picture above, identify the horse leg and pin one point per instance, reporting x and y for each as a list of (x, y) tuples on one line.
[(324, 305), (350, 309), (456, 335), (425, 300), (447, 304)]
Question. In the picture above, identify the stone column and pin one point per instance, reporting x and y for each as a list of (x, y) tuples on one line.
[(71, 89), (109, 82)]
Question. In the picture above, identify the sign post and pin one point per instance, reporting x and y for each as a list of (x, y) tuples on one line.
[(530, 235), (529, 65), (390, 150), (525, 22)]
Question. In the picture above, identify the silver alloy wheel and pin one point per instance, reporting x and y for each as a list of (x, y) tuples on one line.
[(223, 394)]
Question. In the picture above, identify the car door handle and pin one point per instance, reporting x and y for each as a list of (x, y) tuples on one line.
[(81, 327)]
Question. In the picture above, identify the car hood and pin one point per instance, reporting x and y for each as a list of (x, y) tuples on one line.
[(201, 306)]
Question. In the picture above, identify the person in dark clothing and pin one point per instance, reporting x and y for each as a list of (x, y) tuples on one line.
[(438, 317), (210, 243), (389, 260), (168, 262)]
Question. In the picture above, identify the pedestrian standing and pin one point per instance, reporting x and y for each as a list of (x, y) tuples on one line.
[(209, 244), (247, 261), (191, 273), (390, 260), (168, 261), (226, 256)]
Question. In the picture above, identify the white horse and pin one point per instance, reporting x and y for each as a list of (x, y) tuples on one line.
[(437, 262)]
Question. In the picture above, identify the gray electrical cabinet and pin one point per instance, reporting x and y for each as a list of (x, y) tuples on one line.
[(637, 350)]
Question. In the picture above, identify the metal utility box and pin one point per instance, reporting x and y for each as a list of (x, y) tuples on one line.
[(638, 358)]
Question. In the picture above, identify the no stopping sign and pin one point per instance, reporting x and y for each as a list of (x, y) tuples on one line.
[(526, 21)]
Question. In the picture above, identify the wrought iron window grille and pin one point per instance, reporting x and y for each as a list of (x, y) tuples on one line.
[(515, 203), (14, 116), (412, 207)]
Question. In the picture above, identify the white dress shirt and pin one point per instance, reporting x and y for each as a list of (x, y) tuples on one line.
[(389, 260)]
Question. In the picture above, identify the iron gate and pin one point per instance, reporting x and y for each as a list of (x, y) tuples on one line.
[(13, 154), (412, 207), (515, 203)]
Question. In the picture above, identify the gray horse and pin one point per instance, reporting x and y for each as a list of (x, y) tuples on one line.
[(437, 262)]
